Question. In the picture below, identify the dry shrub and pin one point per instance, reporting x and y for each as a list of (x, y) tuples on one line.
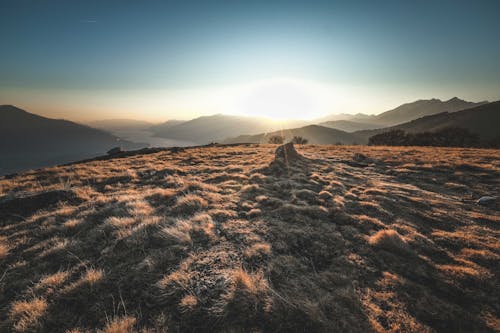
[(71, 223), (258, 250), (4, 248), (199, 229), (254, 212), (193, 186), (222, 214), (188, 303), (189, 204), (178, 233), (325, 195), (120, 325), (251, 188), (203, 228), (248, 299), (389, 240), (92, 276), (307, 195), (120, 222), (53, 280), (26, 315)]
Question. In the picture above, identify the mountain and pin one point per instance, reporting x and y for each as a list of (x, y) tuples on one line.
[(399, 115), (218, 127), (31, 141), (358, 117), (165, 125), (349, 125), (482, 120), (120, 124), (315, 134), (421, 108)]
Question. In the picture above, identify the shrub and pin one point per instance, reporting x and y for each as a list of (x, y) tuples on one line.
[(445, 137), (389, 240), (276, 139), (299, 140)]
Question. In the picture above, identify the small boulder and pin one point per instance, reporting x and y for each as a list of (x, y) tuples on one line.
[(286, 154), (114, 151), (486, 200)]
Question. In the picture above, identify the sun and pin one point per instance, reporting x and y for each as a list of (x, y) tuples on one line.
[(279, 99)]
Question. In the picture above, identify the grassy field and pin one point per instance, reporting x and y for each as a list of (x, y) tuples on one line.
[(349, 239)]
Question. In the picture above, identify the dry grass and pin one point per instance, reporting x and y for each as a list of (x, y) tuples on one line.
[(120, 325), (26, 315), (389, 240), (213, 239)]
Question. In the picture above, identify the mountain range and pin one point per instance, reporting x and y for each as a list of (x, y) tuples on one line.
[(482, 120), (218, 127), (31, 141)]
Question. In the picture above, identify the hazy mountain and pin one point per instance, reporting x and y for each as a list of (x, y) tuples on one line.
[(315, 134), (120, 124), (165, 125), (140, 131), (401, 114), (349, 126), (421, 108), (31, 141), (482, 120), (219, 127), (358, 117)]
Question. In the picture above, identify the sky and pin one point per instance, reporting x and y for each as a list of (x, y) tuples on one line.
[(159, 60)]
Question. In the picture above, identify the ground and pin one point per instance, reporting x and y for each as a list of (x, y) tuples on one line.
[(346, 239)]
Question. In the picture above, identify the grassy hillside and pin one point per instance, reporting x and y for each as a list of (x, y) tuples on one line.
[(482, 120), (421, 108), (349, 125), (217, 239), (314, 133)]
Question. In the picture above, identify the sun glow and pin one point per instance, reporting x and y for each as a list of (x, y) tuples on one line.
[(279, 99)]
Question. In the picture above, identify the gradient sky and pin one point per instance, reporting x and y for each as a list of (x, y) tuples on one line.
[(159, 60)]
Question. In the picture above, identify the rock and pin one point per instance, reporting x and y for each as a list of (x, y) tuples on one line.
[(114, 151), (358, 157), (486, 200), (286, 154)]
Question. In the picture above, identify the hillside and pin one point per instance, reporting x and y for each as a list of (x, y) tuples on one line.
[(349, 125), (315, 134), (120, 124), (401, 114), (31, 141), (218, 239), (421, 108), (218, 127), (482, 120)]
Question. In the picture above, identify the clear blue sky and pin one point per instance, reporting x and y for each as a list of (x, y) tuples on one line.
[(82, 50)]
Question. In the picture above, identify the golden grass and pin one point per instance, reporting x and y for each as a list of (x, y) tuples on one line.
[(212, 239), (120, 325), (26, 315), (4, 248), (389, 240)]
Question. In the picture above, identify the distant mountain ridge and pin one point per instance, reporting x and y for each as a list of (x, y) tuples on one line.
[(31, 141), (349, 126), (401, 114), (482, 120), (421, 108), (218, 127)]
